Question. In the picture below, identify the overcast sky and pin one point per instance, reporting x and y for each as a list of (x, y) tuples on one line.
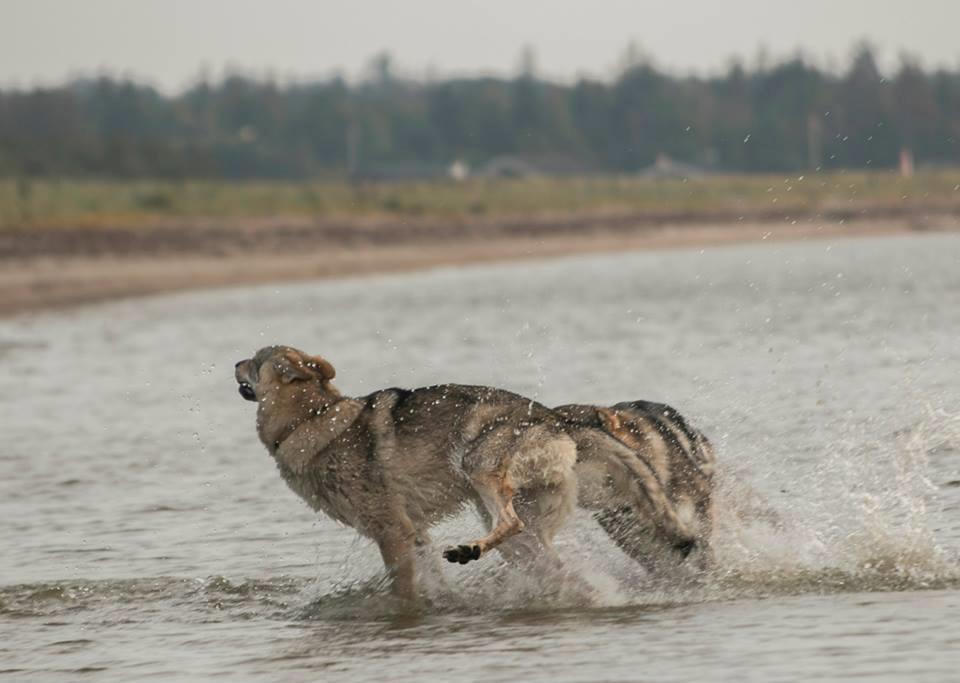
[(167, 42)]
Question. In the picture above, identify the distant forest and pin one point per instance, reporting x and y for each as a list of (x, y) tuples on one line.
[(783, 117)]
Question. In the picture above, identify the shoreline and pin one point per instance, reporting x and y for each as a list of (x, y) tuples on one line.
[(56, 269)]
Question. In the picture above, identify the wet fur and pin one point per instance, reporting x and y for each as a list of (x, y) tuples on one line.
[(395, 462)]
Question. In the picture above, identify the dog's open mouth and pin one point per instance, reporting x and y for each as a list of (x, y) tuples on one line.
[(247, 392)]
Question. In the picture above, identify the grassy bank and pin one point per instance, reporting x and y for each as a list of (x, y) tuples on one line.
[(84, 203)]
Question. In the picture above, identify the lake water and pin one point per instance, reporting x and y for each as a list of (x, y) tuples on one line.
[(146, 534)]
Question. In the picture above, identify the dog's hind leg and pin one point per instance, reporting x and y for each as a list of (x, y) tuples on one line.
[(542, 511), (497, 496), (632, 532), (706, 557)]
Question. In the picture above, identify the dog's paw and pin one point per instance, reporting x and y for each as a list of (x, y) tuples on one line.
[(462, 553)]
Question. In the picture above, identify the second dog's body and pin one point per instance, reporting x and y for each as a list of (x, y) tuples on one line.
[(669, 461)]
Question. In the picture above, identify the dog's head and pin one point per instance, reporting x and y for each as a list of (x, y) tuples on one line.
[(276, 367)]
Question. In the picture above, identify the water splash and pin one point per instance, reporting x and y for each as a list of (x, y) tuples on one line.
[(863, 520)]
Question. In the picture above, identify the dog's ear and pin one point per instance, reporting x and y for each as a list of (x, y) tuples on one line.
[(321, 365), (291, 368), (609, 419)]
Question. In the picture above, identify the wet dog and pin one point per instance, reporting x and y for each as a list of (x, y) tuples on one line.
[(670, 463), (393, 463)]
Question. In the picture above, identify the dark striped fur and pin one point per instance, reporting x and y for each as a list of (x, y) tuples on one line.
[(680, 458)]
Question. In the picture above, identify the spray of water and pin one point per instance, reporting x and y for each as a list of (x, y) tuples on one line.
[(862, 518)]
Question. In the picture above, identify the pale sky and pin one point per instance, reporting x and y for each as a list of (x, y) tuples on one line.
[(167, 42)]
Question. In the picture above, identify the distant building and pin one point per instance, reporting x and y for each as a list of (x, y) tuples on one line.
[(459, 170), (508, 167), (526, 167), (665, 167), (413, 170)]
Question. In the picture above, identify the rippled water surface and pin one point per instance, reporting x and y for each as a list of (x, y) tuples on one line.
[(146, 534)]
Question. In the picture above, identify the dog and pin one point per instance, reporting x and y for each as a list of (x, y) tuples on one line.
[(670, 461), (395, 462)]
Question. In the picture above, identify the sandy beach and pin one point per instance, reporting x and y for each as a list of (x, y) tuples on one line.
[(53, 268)]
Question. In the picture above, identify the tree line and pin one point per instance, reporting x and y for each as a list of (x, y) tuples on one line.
[(783, 117)]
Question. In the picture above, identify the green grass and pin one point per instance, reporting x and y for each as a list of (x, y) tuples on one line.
[(86, 203)]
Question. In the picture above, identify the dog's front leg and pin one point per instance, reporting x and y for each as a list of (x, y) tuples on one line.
[(397, 548)]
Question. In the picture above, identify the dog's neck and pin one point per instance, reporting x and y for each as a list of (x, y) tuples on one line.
[(285, 407), (312, 437)]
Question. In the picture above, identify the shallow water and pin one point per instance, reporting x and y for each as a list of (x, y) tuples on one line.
[(146, 534)]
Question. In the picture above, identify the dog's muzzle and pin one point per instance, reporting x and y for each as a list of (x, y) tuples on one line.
[(247, 392)]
